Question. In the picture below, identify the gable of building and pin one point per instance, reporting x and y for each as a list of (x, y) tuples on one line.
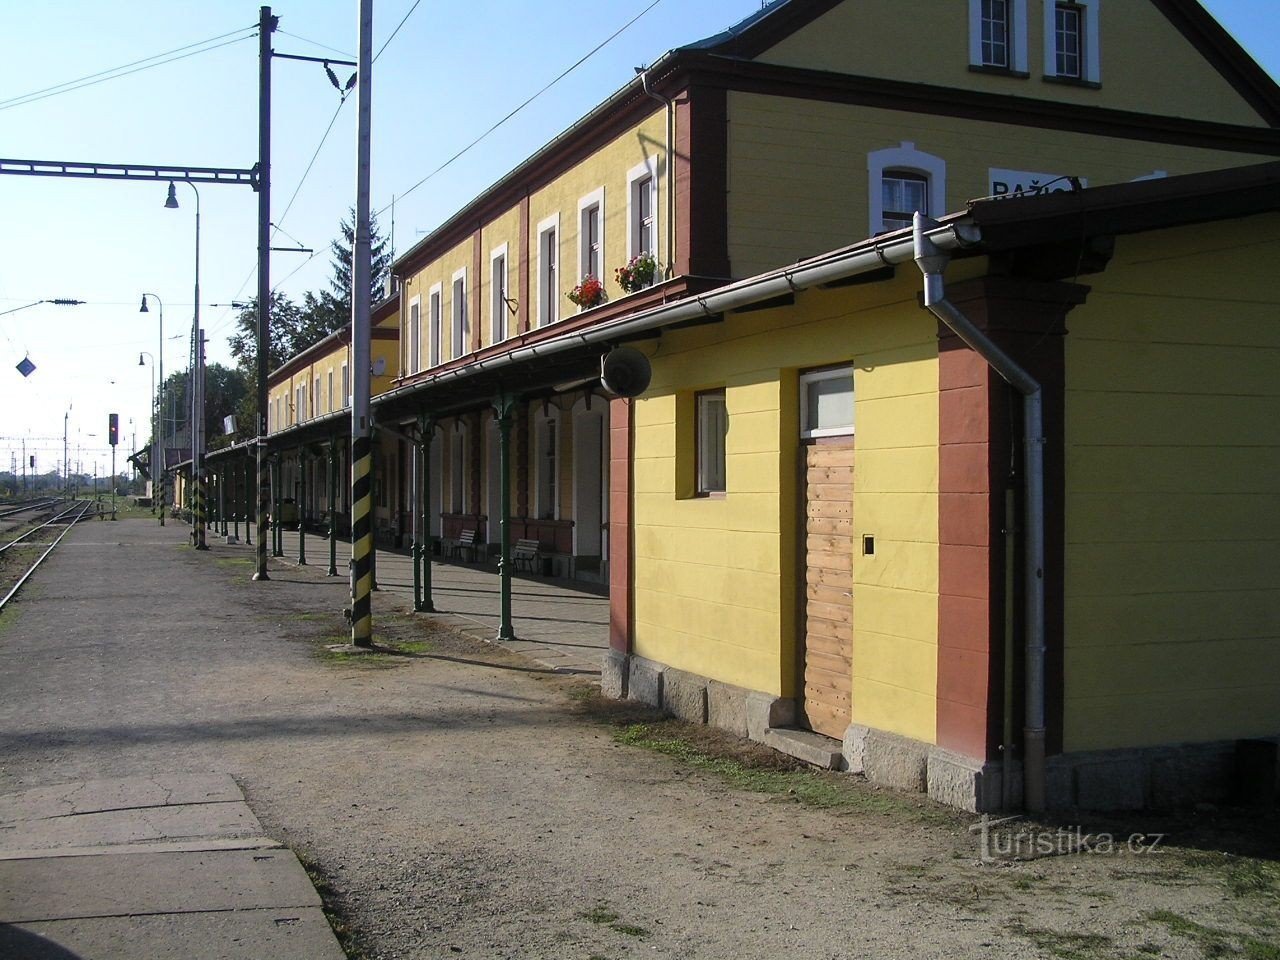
[(1161, 58)]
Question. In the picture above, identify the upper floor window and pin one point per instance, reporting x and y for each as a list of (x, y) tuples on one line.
[(591, 235), (995, 33), (642, 209), (333, 400), (901, 181), (346, 387), (498, 295), (434, 321), (1067, 36), (1071, 40), (549, 270), (998, 35), (459, 305), (415, 337), (903, 192)]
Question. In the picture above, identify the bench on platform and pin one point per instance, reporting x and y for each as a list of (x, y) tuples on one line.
[(527, 552), (464, 546)]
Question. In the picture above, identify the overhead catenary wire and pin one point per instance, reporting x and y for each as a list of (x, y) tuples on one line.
[(118, 72), (386, 43), (474, 143)]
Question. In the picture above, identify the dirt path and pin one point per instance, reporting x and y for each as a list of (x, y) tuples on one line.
[(458, 801)]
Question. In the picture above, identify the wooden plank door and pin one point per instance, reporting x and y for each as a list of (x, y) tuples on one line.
[(828, 586)]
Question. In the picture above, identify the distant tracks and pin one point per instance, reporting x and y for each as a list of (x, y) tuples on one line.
[(68, 517)]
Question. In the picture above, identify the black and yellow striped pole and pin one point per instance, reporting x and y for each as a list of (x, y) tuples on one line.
[(361, 350)]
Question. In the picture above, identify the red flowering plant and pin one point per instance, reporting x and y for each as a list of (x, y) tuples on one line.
[(589, 293), (638, 273)]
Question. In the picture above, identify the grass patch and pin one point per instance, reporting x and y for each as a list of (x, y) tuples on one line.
[(629, 930), (1067, 946), (1216, 942), (805, 785), (599, 914)]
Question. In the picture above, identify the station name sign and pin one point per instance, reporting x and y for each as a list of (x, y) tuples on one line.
[(1024, 183)]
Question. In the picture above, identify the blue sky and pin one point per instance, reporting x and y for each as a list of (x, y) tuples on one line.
[(436, 88)]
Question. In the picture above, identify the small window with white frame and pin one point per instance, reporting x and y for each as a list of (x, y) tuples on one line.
[(902, 180), (826, 403), (549, 270), (435, 321), (710, 441), (414, 356), (642, 210), (1072, 44), (998, 36), (346, 387), (591, 235), (499, 297), (458, 306)]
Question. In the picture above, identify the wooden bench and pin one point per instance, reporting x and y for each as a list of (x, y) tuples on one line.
[(528, 552), (464, 545)]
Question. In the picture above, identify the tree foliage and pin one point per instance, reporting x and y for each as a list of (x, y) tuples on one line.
[(297, 326)]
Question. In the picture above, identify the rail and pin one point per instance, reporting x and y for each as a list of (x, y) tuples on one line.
[(83, 510)]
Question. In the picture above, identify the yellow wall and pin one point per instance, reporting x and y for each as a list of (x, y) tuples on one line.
[(1147, 65), (716, 579), (785, 204), (386, 350), (608, 167), (1173, 502)]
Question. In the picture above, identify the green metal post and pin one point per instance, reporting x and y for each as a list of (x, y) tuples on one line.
[(302, 507), (331, 465), (277, 529), (504, 406), (427, 431), (244, 500)]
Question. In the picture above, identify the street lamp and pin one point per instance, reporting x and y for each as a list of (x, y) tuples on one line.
[(197, 391), (159, 459), (159, 413)]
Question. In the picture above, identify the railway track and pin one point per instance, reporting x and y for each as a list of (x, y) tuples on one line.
[(65, 518), (14, 516)]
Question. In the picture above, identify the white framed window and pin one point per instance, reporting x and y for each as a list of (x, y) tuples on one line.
[(1072, 40), (642, 209), (499, 295), (549, 270), (712, 431), (346, 386), (998, 35), (826, 403), (591, 235), (414, 340), (333, 401), (315, 397), (903, 177), (548, 464), (434, 298), (461, 326)]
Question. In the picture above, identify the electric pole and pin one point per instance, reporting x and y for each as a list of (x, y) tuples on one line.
[(266, 25), (361, 361)]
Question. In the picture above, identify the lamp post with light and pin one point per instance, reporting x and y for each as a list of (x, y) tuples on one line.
[(159, 413), (197, 388), (159, 460)]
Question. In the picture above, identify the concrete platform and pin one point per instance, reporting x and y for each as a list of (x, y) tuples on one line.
[(562, 624), (161, 866)]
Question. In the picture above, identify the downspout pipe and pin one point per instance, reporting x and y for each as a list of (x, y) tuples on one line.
[(932, 262), (670, 173)]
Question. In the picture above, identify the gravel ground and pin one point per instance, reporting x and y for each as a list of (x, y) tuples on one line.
[(455, 800)]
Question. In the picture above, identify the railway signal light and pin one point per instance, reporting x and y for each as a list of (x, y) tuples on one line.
[(113, 428)]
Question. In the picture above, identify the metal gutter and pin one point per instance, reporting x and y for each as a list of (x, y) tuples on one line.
[(862, 258), (932, 261)]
